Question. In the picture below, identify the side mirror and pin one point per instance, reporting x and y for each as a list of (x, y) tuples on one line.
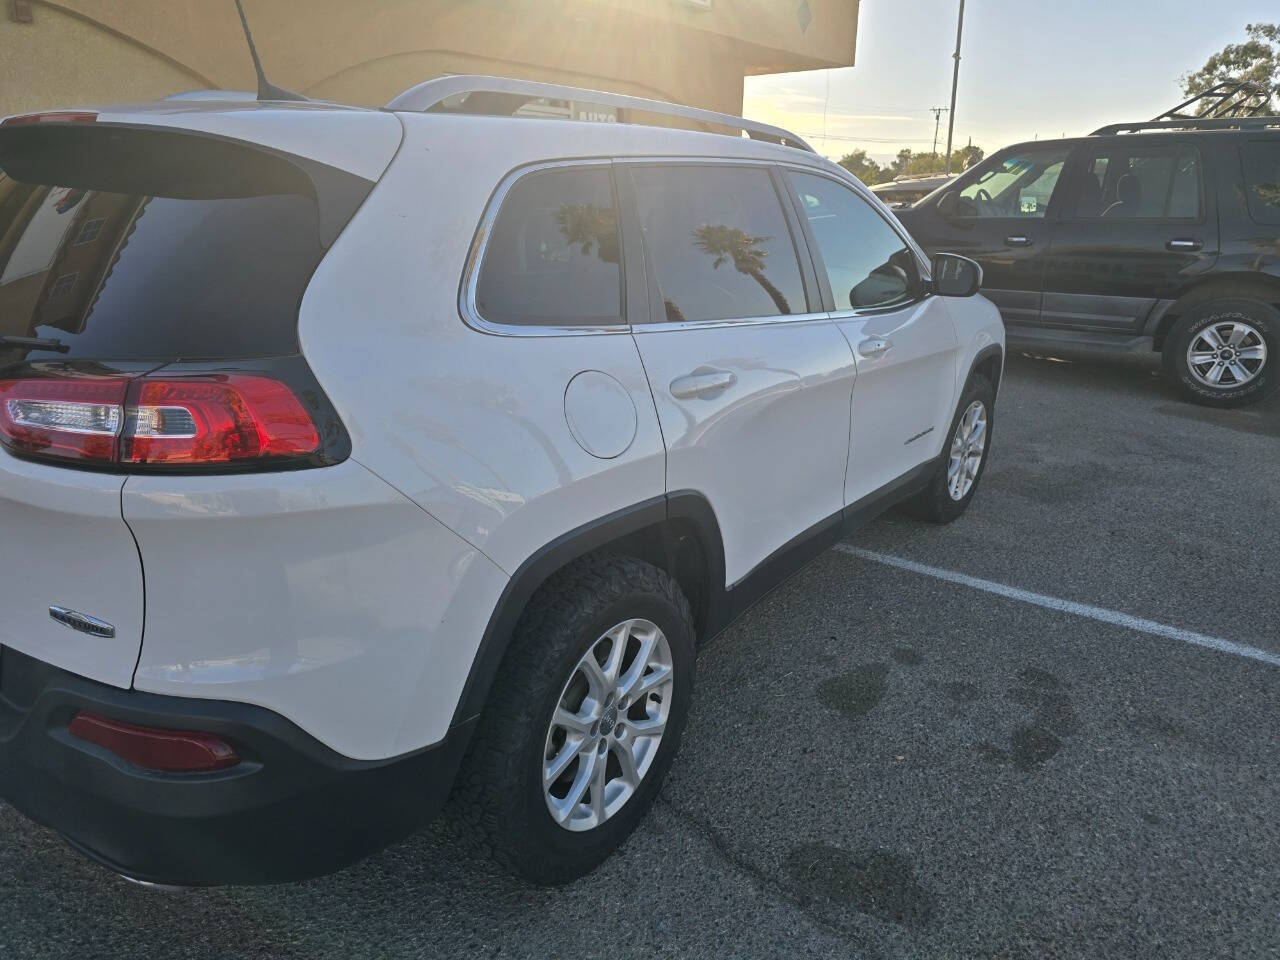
[(955, 276), (948, 203)]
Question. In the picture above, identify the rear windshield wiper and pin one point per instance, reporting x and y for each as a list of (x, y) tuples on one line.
[(35, 343)]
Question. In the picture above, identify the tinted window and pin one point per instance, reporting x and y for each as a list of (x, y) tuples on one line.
[(552, 256), (1141, 182), (867, 263), (107, 258), (1016, 186), (718, 242), (1262, 175)]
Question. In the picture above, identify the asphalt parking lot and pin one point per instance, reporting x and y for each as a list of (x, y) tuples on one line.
[(885, 763)]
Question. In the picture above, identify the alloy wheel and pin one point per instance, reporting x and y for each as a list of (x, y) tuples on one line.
[(608, 725), (967, 447), (1226, 354)]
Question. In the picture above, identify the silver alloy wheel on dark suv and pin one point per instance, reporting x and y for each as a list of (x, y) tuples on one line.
[(1226, 354), (1221, 351)]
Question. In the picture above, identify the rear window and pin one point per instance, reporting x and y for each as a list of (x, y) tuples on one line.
[(1262, 176), (119, 245)]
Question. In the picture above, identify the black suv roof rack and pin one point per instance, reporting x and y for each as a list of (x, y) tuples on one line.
[(1233, 123), (1229, 105), (502, 96)]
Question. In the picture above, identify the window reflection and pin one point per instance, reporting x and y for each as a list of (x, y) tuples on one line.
[(747, 253), (130, 276), (553, 252), (57, 249), (718, 243)]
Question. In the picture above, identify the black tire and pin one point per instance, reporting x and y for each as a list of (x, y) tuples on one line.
[(1261, 316), (499, 791), (935, 503)]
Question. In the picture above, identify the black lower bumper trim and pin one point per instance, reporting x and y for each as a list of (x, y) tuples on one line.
[(292, 809)]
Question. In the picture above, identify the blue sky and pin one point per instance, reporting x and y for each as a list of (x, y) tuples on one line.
[(1029, 68)]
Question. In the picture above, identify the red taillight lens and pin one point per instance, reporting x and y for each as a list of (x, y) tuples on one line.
[(169, 751), (76, 418), (191, 421), (218, 418)]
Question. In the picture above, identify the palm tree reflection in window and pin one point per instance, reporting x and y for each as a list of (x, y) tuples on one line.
[(729, 243), (590, 228)]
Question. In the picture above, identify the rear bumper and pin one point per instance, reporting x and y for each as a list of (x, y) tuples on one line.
[(292, 809)]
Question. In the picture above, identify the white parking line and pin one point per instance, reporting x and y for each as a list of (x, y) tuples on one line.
[(1069, 606)]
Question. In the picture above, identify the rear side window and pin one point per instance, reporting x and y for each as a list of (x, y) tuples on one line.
[(552, 253), (105, 254), (1141, 182), (1262, 179), (718, 242)]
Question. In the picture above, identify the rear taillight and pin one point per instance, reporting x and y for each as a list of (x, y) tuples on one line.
[(194, 421), (75, 419), (153, 748), (217, 418)]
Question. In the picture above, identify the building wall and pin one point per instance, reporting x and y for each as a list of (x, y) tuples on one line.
[(80, 52)]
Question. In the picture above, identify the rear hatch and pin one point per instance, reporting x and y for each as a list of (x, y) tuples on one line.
[(150, 279)]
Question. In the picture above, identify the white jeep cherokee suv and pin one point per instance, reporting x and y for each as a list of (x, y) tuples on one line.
[(352, 458)]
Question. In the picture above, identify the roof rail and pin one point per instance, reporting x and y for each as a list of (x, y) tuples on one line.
[(502, 96), (1192, 123)]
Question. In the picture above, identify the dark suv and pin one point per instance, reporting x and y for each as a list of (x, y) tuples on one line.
[(1152, 236)]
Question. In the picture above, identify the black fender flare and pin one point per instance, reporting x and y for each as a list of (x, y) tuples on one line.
[(657, 512), (982, 356)]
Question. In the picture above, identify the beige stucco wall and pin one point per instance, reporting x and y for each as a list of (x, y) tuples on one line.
[(366, 51), (65, 60)]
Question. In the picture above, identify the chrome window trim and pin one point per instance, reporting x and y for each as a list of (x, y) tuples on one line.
[(667, 325), (467, 308)]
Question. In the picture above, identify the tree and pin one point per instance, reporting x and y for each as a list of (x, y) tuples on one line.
[(729, 243), (967, 157), (911, 164), (1257, 59), (590, 228), (863, 167)]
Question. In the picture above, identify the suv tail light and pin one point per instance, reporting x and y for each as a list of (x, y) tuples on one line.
[(213, 420), (73, 419)]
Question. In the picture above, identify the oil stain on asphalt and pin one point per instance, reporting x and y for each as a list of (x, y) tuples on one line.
[(908, 656), (1053, 720), (857, 692), (877, 883)]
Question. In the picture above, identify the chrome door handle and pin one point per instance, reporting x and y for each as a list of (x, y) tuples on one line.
[(701, 383), (1019, 241), (1185, 243), (874, 347)]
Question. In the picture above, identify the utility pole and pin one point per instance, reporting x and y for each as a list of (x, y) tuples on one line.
[(955, 82), (937, 121)]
